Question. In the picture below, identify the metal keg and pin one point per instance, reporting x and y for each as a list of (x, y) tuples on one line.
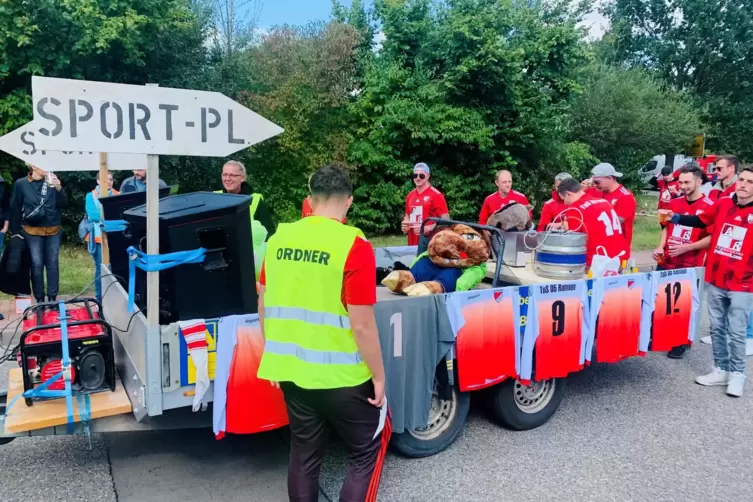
[(561, 255)]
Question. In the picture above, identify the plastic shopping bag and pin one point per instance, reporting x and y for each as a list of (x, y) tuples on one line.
[(604, 266)]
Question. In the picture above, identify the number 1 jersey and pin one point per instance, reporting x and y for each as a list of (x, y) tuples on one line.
[(415, 334)]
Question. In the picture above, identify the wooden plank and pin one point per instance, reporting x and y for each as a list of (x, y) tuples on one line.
[(104, 190), (43, 414)]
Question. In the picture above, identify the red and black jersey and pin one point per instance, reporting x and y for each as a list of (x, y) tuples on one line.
[(678, 234), (729, 264), (668, 191)]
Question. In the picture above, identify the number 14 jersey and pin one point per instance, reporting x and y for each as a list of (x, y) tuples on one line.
[(599, 221), (556, 331)]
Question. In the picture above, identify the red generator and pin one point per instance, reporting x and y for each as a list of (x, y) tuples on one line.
[(90, 347)]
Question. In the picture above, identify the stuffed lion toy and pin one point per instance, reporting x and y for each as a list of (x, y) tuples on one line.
[(454, 261)]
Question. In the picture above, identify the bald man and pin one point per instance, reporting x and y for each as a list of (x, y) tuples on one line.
[(503, 196)]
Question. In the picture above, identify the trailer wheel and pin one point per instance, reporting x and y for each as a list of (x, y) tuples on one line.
[(521, 408), (446, 420), (6, 440)]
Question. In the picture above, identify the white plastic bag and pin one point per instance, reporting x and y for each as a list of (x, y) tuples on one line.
[(604, 266)]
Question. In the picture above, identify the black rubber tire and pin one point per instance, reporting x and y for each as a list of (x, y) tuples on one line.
[(6, 440), (410, 446), (505, 411)]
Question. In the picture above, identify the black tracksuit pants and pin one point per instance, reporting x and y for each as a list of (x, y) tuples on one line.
[(364, 429)]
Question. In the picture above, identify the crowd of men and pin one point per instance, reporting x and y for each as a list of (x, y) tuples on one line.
[(600, 207), (701, 225)]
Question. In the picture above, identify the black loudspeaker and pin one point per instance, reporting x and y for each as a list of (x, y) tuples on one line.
[(117, 242), (225, 283)]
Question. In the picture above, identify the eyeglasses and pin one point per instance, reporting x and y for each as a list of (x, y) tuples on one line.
[(419, 176), (224, 175)]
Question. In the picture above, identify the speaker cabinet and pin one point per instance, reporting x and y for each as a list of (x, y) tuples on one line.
[(225, 283)]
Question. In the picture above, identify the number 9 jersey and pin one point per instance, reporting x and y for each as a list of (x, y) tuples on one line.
[(598, 220), (556, 332)]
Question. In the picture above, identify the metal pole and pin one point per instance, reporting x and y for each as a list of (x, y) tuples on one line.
[(153, 331)]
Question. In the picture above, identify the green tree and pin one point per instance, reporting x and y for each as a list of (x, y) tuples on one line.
[(470, 87), (626, 116), (132, 42), (302, 78), (697, 46)]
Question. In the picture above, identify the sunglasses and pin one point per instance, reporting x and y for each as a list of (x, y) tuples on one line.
[(419, 176)]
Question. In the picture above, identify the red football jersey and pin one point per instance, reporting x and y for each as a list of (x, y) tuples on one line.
[(551, 210), (495, 202), (307, 210), (729, 264), (625, 205), (427, 204), (667, 191), (678, 234), (601, 224), (716, 193)]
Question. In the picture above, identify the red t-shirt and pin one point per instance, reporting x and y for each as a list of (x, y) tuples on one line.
[(729, 264), (359, 278), (421, 205), (307, 210), (625, 205), (601, 224), (496, 201), (666, 193), (678, 234), (551, 210), (716, 193)]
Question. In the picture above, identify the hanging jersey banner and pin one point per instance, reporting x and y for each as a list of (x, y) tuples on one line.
[(485, 324), (676, 308), (556, 331), (243, 404), (621, 314), (415, 335)]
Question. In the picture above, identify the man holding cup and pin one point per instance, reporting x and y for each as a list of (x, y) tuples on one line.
[(423, 202), (681, 246), (729, 279)]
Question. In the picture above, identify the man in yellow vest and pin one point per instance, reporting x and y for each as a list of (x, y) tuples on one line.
[(262, 226), (316, 303)]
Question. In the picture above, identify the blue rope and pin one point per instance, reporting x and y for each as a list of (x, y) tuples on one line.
[(157, 263)]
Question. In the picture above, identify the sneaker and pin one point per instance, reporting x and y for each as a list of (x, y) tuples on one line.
[(749, 347), (678, 352), (716, 377), (706, 340), (736, 384)]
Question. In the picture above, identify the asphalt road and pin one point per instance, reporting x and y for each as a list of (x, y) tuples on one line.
[(637, 430)]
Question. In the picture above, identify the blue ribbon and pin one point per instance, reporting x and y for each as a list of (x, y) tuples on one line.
[(114, 226), (157, 263)]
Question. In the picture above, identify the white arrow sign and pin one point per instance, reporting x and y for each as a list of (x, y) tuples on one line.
[(82, 115), (21, 144)]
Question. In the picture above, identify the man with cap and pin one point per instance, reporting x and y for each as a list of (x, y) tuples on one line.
[(604, 178), (502, 197), (550, 213), (423, 202)]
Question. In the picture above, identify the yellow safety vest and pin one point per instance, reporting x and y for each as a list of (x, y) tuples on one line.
[(258, 233), (309, 340)]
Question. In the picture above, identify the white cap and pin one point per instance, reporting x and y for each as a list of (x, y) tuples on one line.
[(605, 169)]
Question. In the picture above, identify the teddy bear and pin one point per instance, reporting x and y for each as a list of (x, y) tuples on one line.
[(454, 261)]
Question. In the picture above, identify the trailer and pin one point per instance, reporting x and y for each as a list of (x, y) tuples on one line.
[(153, 370)]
